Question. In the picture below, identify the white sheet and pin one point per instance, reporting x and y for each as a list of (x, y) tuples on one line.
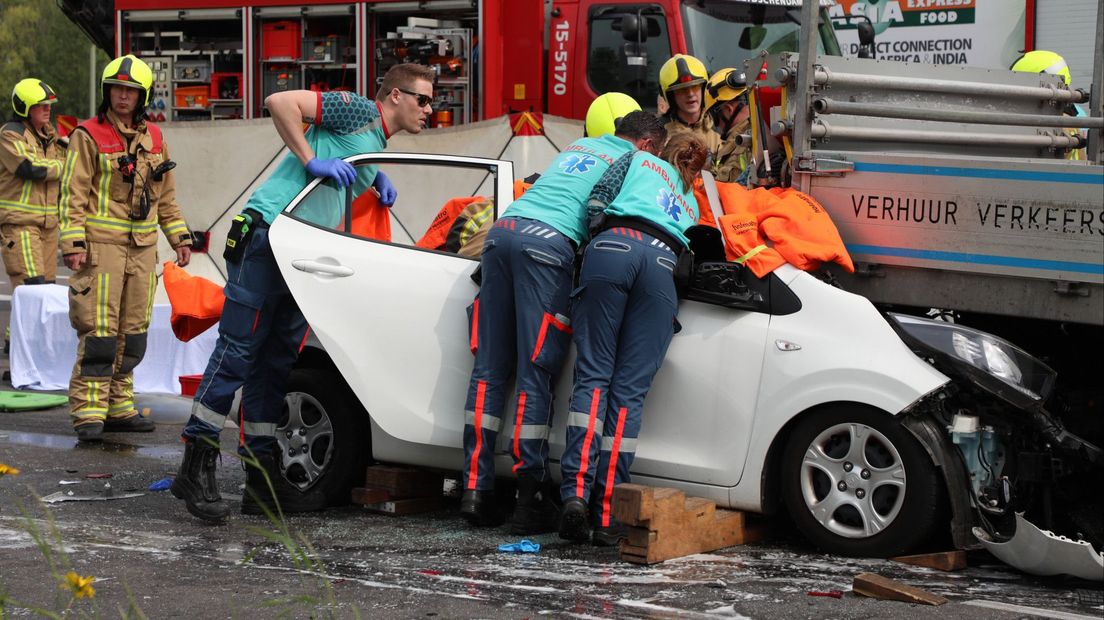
[(44, 345)]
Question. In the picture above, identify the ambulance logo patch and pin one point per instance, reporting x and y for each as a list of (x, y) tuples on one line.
[(577, 163), (666, 201)]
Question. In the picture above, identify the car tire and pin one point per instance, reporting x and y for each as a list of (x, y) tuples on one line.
[(323, 434), (878, 502)]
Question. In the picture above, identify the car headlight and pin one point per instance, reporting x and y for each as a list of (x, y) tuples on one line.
[(994, 356)]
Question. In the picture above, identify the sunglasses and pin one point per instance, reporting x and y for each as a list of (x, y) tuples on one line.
[(421, 100)]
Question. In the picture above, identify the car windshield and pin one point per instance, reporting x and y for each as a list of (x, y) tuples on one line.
[(722, 33)]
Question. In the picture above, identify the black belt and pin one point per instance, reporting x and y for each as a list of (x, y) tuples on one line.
[(646, 227)]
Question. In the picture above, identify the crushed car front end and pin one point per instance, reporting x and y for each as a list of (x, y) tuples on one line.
[(1008, 463)]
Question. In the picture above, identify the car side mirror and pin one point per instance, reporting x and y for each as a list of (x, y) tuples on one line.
[(722, 283), (752, 37)]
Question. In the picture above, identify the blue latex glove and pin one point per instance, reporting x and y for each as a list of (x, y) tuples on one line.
[(525, 546), (340, 171), (387, 192)]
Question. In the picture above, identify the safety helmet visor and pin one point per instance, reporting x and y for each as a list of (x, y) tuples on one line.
[(129, 71)]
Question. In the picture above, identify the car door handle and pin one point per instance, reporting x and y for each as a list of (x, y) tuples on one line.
[(313, 266)]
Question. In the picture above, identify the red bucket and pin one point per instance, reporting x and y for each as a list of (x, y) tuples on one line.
[(189, 384)]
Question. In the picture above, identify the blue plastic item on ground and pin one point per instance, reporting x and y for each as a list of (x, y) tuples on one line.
[(161, 485), (525, 546)]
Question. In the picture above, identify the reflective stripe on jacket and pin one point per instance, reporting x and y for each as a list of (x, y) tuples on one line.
[(98, 203), (30, 168)]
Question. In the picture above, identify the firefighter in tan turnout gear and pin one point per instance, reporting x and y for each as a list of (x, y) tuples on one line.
[(117, 188), (30, 168), (682, 81)]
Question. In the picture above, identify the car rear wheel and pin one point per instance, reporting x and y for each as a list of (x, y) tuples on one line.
[(323, 434), (858, 483)]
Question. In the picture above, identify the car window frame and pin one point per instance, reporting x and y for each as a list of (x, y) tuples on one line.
[(502, 171)]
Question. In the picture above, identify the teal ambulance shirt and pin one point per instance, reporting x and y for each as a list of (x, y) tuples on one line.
[(652, 191), (559, 196), (346, 124)]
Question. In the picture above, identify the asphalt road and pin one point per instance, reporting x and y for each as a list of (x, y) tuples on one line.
[(148, 555)]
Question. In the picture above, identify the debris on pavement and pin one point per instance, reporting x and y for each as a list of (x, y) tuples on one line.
[(98, 476), (876, 586), (829, 593), (1041, 552), (55, 498), (944, 561), (524, 546), (64, 482)]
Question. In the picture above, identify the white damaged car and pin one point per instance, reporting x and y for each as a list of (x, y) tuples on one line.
[(875, 432)]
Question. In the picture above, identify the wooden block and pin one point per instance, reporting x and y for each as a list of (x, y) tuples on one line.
[(876, 586), (632, 503), (404, 482), (664, 524), (406, 506), (946, 560), (370, 495)]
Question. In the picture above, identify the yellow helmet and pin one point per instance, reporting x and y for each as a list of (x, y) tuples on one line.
[(681, 71), (606, 112), (129, 71), (30, 92), (1042, 61), (724, 85)]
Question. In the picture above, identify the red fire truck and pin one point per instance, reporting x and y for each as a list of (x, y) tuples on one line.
[(220, 58)]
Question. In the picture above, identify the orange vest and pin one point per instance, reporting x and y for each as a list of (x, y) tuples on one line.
[(799, 229)]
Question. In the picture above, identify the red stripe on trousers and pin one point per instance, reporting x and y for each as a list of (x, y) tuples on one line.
[(612, 469), (517, 431), (584, 456), (256, 319), (303, 342), (473, 467), (474, 340)]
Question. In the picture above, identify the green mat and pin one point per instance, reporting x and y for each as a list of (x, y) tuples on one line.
[(27, 401)]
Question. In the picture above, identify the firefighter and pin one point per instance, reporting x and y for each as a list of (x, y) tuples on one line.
[(262, 329), (726, 102), (682, 81), (1051, 63), (624, 315), (30, 166), (117, 189), (520, 316)]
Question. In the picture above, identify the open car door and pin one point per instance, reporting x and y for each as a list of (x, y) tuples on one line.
[(389, 313)]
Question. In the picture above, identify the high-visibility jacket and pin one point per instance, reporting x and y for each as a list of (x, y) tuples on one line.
[(731, 158), (799, 229), (30, 171), (99, 204), (704, 130)]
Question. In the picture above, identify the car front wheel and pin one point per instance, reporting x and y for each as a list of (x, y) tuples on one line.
[(323, 434), (858, 483)]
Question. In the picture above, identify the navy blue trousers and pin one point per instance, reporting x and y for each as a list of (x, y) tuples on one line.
[(623, 316), (260, 334), (521, 329)]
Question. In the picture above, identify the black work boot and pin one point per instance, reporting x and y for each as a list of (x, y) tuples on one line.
[(535, 512), (609, 536), (89, 431), (573, 521), (288, 498), (136, 423), (195, 483), (478, 508)]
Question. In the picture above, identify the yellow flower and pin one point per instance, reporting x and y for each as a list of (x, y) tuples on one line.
[(79, 586), (7, 470)]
